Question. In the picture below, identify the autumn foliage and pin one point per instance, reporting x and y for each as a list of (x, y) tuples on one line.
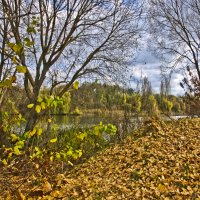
[(159, 161), (192, 88)]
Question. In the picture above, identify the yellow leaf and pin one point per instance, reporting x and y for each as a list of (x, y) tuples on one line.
[(81, 136), (32, 133), (16, 150), (10, 155), (55, 194), (58, 156), (39, 131), (13, 79), (14, 137), (17, 48), (49, 120), (6, 83), (162, 188), (14, 59), (53, 140), (46, 186), (21, 196), (30, 105), (51, 158), (43, 105), (4, 162), (21, 69), (38, 108), (39, 99), (37, 166), (76, 85), (70, 163)]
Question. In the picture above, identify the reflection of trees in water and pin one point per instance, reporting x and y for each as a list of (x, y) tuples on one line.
[(83, 120)]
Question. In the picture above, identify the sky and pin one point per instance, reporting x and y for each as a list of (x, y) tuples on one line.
[(146, 64)]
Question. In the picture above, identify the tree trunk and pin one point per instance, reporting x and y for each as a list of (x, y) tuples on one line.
[(31, 120)]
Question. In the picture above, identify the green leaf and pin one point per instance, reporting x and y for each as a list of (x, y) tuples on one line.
[(55, 127), (58, 156), (31, 29), (39, 99), (76, 85), (79, 152), (34, 22), (5, 128), (6, 83), (75, 156), (53, 140), (43, 105), (70, 152), (28, 42), (20, 144), (21, 69), (10, 44), (30, 105), (81, 136), (38, 108), (96, 131), (14, 137), (55, 104)]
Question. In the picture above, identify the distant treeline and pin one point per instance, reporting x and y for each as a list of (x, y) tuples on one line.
[(102, 96), (113, 97)]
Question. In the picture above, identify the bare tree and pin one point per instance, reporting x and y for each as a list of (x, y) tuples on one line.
[(175, 28), (146, 91), (72, 37)]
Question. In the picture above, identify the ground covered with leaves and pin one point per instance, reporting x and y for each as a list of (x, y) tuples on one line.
[(159, 161)]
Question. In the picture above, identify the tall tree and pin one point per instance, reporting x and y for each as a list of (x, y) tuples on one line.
[(146, 92), (72, 37), (175, 25)]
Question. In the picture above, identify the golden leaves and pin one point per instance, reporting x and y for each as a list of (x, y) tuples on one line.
[(53, 140), (38, 108), (159, 161), (76, 85), (46, 187), (162, 162), (21, 69), (21, 195)]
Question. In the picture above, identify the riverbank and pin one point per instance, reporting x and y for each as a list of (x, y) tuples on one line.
[(159, 161)]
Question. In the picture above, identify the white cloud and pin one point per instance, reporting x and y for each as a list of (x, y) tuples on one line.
[(176, 89), (147, 64)]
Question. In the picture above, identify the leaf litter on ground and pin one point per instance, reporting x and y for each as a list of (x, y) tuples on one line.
[(161, 160)]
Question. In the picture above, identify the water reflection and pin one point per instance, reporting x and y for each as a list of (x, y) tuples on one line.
[(68, 121)]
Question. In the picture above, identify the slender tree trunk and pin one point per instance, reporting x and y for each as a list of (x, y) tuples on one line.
[(2, 133)]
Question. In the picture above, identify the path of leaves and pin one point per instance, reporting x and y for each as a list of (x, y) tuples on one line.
[(161, 161)]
